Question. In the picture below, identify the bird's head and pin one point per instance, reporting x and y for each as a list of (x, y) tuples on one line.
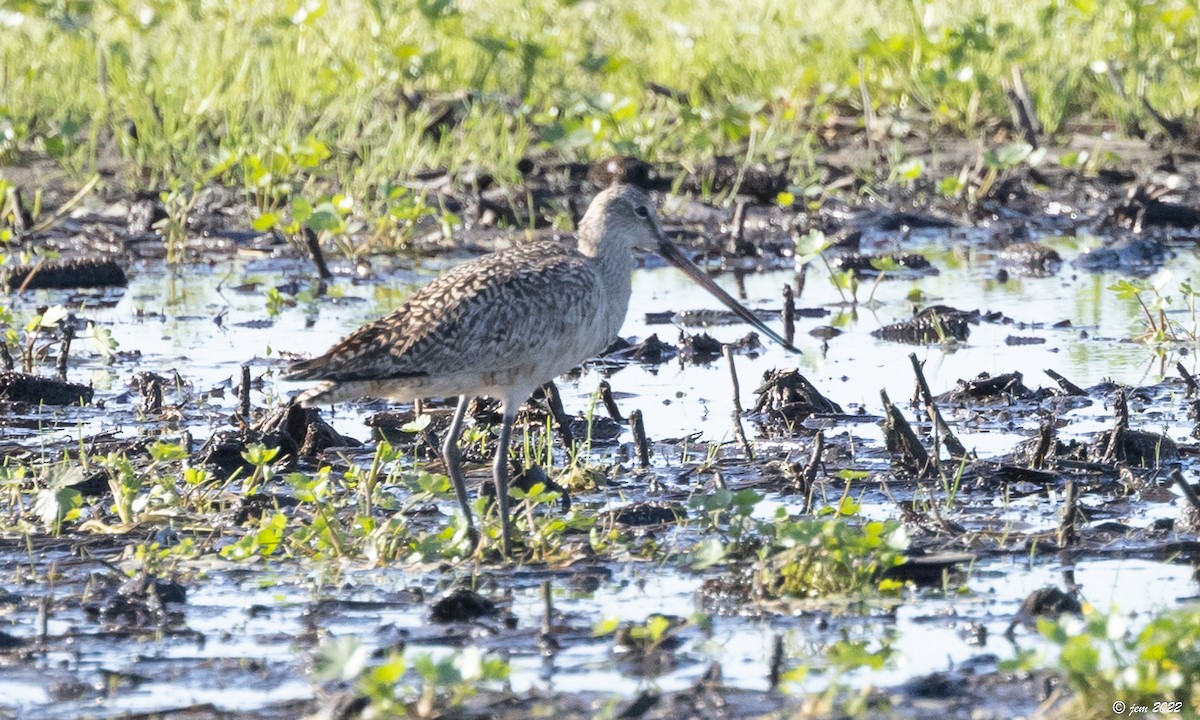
[(622, 219)]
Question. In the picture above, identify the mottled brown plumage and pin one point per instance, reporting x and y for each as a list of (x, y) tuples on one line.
[(475, 329), (503, 325)]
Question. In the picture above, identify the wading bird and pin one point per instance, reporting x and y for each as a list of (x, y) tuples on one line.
[(503, 325)]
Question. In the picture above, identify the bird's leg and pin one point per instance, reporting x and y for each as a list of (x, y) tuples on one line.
[(453, 458), (500, 473)]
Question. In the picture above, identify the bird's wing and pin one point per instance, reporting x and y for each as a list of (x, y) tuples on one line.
[(475, 316)]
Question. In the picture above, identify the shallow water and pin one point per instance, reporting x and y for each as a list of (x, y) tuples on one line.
[(258, 614), (171, 322), (251, 654)]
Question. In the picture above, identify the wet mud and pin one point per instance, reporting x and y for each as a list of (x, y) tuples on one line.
[(1032, 431)]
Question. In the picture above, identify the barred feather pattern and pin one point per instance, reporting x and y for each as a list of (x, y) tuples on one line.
[(501, 325)]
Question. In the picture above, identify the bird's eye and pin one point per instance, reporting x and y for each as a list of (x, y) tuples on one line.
[(642, 211)]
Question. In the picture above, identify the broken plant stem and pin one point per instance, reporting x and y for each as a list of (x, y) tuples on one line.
[(949, 440), (739, 432)]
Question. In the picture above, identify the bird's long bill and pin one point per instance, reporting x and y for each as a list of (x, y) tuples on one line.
[(671, 253)]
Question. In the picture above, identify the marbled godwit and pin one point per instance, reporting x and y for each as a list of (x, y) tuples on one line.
[(503, 325)]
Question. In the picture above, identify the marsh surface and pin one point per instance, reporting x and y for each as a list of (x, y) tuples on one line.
[(150, 613)]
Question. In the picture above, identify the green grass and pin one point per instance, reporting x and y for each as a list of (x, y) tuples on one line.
[(1153, 672), (224, 84)]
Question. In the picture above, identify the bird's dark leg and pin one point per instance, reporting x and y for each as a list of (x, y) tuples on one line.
[(500, 473), (453, 457)]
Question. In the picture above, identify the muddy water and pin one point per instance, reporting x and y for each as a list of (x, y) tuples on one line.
[(255, 628), (171, 322)]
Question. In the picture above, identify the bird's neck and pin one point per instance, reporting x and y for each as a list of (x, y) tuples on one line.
[(609, 247), (610, 252), (615, 267)]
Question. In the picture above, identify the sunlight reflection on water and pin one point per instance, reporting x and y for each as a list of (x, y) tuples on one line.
[(172, 324)]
